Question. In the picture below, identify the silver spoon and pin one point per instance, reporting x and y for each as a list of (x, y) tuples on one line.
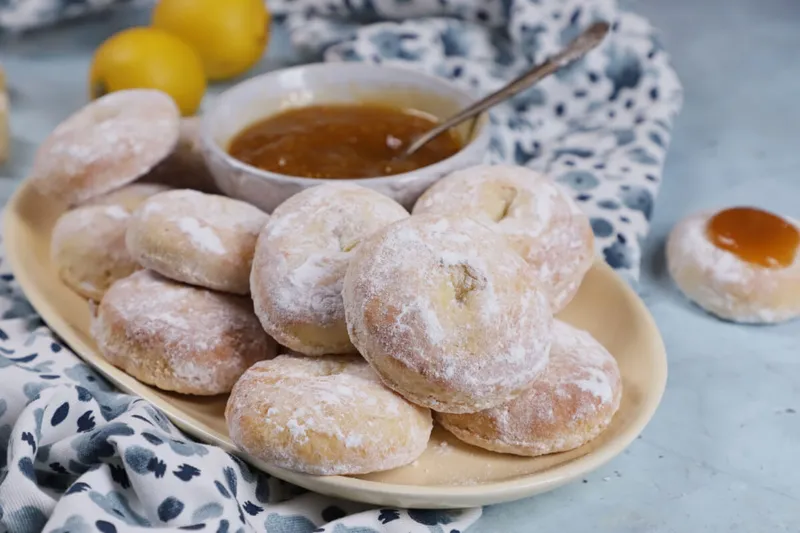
[(583, 43)]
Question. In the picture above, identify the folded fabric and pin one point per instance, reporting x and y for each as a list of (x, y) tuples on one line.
[(76, 456)]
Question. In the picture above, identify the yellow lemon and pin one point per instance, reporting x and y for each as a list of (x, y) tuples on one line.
[(149, 58), (229, 35)]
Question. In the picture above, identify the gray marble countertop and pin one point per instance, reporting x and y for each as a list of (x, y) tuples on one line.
[(721, 454)]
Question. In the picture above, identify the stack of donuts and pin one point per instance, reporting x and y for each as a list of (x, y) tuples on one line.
[(341, 324)]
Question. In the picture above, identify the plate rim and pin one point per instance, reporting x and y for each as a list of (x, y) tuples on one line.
[(368, 491)]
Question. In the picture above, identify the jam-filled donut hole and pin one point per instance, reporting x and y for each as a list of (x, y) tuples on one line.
[(756, 236)]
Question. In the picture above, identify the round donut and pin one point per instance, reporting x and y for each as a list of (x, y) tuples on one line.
[(88, 249), (197, 238), (571, 403), (300, 261), (437, 305), (129, 197), (185, 167), (726, 286), (109, 143), (542, 223), (176, 337), (324, 416)]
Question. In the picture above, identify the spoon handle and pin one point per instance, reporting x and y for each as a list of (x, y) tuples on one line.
[(576, 49)]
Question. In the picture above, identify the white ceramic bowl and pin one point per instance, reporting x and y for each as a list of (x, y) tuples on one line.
[(328, 83)]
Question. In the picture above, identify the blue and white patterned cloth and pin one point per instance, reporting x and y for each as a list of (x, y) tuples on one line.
[(78, 457)]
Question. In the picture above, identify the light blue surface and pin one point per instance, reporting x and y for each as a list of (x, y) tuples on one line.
[(723, 451)]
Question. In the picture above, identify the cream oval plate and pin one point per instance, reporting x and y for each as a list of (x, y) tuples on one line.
[(449, 474)]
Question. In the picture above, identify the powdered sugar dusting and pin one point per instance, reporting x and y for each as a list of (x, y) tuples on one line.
[(724, 284), (129, 197), (301, 258), (90, 219), (219, 212), (542, 223), (203, 236), (110, 142), (443, 300), (432, 328), (570, 404), (179, 337), (116, 212), (326, 415), (197, 238), (88, 249)]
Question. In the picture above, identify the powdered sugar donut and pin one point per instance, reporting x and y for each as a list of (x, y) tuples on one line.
[(129, 197), (176, 337), (109, 143), (324, 416), (185, 167), (200, 239), (301, 258), (726, 285), (571, 403), (542, 223), (88, 250), (437, 305)]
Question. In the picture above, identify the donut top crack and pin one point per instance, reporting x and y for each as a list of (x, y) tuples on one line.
[(506, 197), (466, 279)]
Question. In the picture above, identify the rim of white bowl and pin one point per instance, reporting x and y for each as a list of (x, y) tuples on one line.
[(479, 140)]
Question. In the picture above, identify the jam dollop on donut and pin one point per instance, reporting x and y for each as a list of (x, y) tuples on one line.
[(740, 264), (755, 236)]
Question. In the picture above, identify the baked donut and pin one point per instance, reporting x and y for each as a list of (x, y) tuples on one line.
[(324, 416), (109, 143), (571, 403), (185, 167), (88, 249), (176, 337), (200, 239), (300, 261), (740, 264), (542, 223), (129, 197), (437, 305)]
